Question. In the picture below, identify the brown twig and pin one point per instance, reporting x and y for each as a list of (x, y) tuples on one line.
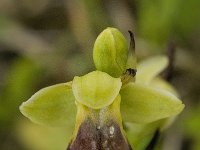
[(168, 72)]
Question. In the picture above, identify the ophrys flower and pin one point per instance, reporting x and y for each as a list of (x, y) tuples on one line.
[(102, 99)]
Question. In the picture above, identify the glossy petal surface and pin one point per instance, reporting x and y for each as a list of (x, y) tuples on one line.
[(96, 89), (142, 104), (51, 106)]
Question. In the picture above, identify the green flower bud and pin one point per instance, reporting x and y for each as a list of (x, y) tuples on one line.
[(110, 52)]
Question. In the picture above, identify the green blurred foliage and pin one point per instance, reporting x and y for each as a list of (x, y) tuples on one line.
[(47, 42), (19, 84), (168, 18)]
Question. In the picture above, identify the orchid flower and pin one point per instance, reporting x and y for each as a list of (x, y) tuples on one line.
[(99, 105)]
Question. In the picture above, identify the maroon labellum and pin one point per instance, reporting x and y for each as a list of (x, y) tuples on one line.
[(90, 136)]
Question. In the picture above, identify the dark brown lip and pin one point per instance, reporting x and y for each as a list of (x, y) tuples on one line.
[(90, 136)]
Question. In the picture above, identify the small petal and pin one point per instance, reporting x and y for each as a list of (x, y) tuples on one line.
[(51, 106), (96, 89), (142, 104), (148, 69)]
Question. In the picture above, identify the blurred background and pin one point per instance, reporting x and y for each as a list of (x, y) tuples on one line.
[(50, 41)]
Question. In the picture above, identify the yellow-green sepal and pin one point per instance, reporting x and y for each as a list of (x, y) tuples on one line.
[(51, 106), (160, 83), (143, 104), (96, 89), (110, 52), (150, 68)]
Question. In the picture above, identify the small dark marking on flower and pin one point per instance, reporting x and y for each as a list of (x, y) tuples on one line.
[(131, 72)]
